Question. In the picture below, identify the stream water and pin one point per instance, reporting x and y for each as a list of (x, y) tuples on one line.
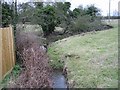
[(59, 80)]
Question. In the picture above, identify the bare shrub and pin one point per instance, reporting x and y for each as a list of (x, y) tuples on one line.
[(26, 40), (36, 71)]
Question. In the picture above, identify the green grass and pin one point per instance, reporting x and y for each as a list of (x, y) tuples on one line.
[(92, 60), (55, 61), (15, 72)]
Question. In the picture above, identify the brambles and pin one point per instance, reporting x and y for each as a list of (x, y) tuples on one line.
[(36, 70)]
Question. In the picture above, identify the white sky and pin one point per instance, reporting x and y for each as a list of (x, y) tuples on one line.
[(103, 5)]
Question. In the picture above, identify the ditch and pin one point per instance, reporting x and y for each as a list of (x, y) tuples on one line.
[(59, 81)]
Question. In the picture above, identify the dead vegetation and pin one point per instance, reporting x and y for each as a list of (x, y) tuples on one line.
[(34, 61)]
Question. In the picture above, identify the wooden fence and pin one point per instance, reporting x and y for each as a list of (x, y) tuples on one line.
[(7, 54)]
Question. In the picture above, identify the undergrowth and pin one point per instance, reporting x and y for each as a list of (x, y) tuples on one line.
[(14, 74)]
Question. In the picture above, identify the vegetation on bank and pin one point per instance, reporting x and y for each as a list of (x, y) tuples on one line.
[(88, 59), (13, 75), (32, 69), (91, 60)]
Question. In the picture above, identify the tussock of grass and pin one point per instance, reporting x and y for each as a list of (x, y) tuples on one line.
[(92, 60)]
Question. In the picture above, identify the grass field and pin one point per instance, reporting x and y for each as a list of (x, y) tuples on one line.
[(91, 60)]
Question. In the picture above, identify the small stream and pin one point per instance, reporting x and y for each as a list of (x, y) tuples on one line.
[(59, 80)]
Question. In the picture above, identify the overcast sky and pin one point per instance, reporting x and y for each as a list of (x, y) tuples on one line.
[(103, 5)]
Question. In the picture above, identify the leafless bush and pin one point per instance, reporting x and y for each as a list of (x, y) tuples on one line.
[(26, 40), (36, 72)]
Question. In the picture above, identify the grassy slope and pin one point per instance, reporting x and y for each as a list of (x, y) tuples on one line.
[(92, 60)]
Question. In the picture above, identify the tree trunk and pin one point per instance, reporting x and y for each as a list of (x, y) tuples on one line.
[(47, 30)]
